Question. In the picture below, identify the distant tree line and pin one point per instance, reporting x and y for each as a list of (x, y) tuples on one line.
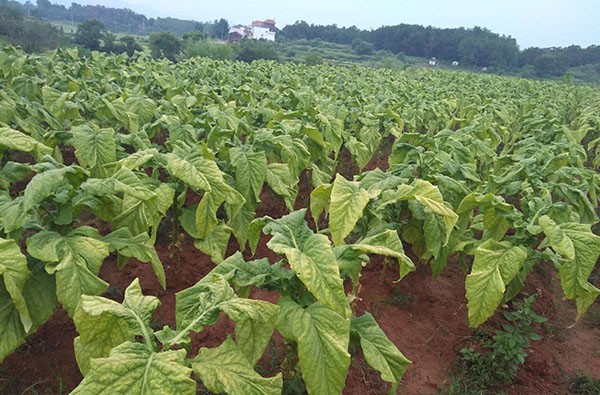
[(477, 46), (22, 24), (31, 34), (118, 20)]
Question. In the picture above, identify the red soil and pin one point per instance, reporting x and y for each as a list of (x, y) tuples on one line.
[(425, 318)]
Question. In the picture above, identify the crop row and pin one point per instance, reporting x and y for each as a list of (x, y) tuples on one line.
[(99, 155)]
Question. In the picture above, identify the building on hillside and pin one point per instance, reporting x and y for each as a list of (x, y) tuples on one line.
[(259, 30), (237, 32), (264, 30)]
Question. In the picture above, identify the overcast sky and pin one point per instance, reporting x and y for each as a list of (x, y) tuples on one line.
[(541, 23)]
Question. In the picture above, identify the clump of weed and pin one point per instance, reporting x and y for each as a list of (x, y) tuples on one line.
[(584, 385), (494, 361)]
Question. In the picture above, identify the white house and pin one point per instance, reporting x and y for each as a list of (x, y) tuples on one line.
[(264, 30), (259, 30)]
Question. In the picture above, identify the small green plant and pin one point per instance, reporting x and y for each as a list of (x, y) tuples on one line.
[(584, 385), (495, 361)]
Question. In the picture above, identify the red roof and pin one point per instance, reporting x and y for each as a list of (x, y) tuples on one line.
[(265, 23)]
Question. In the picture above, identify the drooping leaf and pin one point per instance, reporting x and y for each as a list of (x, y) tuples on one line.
[(322, 336), (430, 197), (279, 178), (215, 244), (580, 249), (387, 243), (75, 258), (139, 247), (348, 201), (14, 273), (94, 148), (45, 184), (495, 266), (255, 321), (320, 199), (250, 171), (12, 334), (380, 353), (19, 141), (311, 257)]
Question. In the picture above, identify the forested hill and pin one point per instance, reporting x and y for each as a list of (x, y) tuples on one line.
[(118, 20), (471, 47), (474, 47)]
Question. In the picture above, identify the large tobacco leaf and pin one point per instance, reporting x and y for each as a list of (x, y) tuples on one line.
[(379, 351), (579, 249), (311, 257), (495, 266), (225, 370), (348, 201), (322, 335), (133, 369), (75, 259)]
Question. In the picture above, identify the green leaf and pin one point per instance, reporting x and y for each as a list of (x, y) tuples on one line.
[(225, 370), (387, 243), (255, 321), (310, 257), (139, 215), (94, 148), (322, 336), (15, 140), (495, 266), (250, 171), (75, 258), (14, 272), (12, 334), (320, 199), (142, 106), (348, 200), (580, 249), (201, 304), (279, 177), (139, 247), (380, 353), (186, 172), (98, 335), (123, 181), (430, 196), (215, 244), (133, 369), (103, 323), (45, 184)]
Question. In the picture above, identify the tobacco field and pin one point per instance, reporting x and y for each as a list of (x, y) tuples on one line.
[(110, 161)]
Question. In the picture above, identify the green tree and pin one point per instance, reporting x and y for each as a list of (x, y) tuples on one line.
[(90, 34), (221, 28), (130, 45), (313, 59), (208, 49), (165, 45), (361, 47), (250, 50)]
